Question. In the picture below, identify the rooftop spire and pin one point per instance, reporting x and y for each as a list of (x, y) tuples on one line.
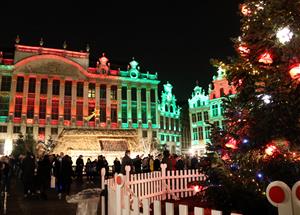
[(41, 41), (17, 39), (65, 44)]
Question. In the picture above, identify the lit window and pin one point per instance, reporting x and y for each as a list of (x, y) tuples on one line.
[(215, 110), (55, 87), (113, 92), (20, 84), (5, 83), (91, 91)]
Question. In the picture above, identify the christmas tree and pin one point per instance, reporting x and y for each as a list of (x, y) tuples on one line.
[(24, 145), (261, 139)]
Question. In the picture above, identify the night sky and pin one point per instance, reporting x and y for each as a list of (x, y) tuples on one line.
[(174, 39)]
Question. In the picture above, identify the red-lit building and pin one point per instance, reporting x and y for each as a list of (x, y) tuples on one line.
[(44, 90)]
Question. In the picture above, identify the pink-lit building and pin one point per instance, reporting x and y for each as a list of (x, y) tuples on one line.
[(44, 90)]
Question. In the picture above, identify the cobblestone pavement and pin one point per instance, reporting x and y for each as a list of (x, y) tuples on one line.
[(17, 205)]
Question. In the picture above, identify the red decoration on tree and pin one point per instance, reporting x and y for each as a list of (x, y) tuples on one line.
[(245, 10), (225, 157), (265, 58), (270, 150), (276, 194), (243, 49), (295, 71), (231, 143)]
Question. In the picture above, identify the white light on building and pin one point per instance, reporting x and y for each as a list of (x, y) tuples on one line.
[(8, 146)]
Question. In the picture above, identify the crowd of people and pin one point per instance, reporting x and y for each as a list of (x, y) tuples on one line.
[(148, 163), (58, 171)]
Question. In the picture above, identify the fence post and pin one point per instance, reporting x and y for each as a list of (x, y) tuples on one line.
[(102, 187), (127, 179), (119, 183), (127, 170), (163, 180)]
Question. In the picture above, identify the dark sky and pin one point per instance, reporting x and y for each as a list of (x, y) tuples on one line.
[(174, 39)]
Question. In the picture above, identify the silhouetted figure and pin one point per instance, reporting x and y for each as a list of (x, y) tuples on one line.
[(117, 166), (44, 175), (28, 166), (126, 161), (79, 168)]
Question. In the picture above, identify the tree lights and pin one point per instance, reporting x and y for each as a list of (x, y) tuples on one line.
[(265, 109), (284, 35)]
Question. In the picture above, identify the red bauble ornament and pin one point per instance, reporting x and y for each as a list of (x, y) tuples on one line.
[(231, 143), (245, 10), (295, 71), (265, 58), (270, 150), (243, 49)]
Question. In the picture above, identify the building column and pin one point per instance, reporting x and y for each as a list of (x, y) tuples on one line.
[(156, 105), (129, 114), (37, 100), (49, 100), (97, 104), (139, 107), (73, 105), (85, 101), (148, 103), (36, 108), (61, 102), (12, 101), (108, 105), (25, 95), (119, 105), (48, 108)]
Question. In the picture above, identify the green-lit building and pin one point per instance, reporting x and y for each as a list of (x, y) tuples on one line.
[(169, 121), (207, 108)]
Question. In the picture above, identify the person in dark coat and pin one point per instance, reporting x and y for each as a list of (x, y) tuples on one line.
[(105, 165), (44, 175), (179, 163), (126, 161), (194, 162), (88, 170), (157, 163), (166, 159), (117, 166), (137, 162), (79, 168), (58, 173), (67, 174), (28, 166), (6, 172)]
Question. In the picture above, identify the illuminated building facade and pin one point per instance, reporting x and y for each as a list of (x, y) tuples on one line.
[(169, 116), (44, 90), (207, 109)]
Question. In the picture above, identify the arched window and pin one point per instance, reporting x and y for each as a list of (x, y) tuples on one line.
[(166, 108), (230, 92), (171, 109), (199, 103)]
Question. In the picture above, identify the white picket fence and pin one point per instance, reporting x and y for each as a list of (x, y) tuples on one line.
[(121, 205), (128, 193), (159, 185)]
